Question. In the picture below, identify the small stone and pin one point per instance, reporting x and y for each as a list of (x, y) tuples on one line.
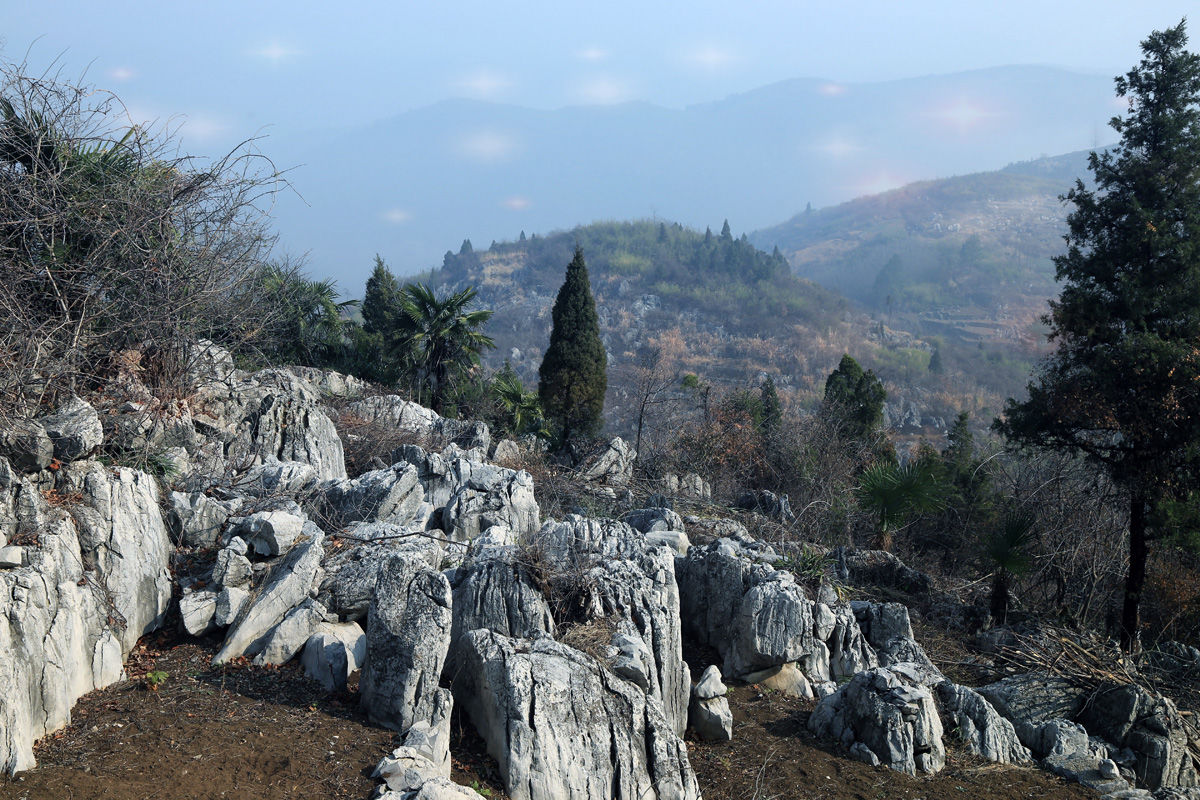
[(710, 684), (12, 557)]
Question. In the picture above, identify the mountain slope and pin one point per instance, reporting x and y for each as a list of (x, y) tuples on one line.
[(407, 185), (969, 255)]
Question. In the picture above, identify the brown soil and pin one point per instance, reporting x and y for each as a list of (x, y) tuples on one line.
[(247, 732), (773, 755)]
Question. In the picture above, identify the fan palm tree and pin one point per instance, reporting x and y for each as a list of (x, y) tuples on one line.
[(438, 340), (1007, 548), (309, 328), (894, 493)]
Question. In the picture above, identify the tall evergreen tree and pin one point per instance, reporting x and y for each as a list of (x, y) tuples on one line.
[(381, 302), (1121, 388), (857, 396), (573, 376), (772, 409)]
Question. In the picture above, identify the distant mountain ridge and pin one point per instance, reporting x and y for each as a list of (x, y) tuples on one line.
[(973, 247), (409, 185)]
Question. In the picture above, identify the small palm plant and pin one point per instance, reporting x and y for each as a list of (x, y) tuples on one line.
[(895, 493), (1007, 549), (439, 338)]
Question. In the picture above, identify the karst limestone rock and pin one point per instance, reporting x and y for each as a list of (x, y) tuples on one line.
[(892, 716), (553, 717), (408, 638)]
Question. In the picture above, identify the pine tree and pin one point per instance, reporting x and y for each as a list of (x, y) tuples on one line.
[(573, 376), (772, 409), (856, 396), (1121, 388)]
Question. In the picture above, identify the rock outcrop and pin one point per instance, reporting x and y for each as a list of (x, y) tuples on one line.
[(408, 637), (96, 581), (883, 716), (552, 718)]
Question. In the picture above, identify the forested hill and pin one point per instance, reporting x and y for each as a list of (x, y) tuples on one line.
[(973, 246), (718, 306)]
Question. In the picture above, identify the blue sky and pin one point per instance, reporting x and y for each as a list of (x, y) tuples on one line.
[(228, 70), (308, 76)]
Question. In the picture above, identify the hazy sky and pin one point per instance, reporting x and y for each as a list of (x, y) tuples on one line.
[(231, 68)]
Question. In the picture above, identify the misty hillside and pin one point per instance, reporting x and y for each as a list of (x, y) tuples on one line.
[(715, 306), (969, 255), (739, 310), (408, 184)]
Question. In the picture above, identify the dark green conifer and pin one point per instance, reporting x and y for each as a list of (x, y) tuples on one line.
[(856, 396), (573, 376), (1121, 387)]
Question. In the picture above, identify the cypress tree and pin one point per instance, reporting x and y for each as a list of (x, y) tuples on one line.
[(573, 375)]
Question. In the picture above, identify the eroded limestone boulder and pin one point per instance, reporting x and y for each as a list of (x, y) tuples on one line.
[(408, 637), (979, 727), (74, 429), (289, 583), (889, 714), (560, 724)]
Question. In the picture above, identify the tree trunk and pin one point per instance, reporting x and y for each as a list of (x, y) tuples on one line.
[(1135, 581), (1000, 582)]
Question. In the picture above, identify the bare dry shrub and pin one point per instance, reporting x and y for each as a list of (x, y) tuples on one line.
[(111, 241), (368, 443)]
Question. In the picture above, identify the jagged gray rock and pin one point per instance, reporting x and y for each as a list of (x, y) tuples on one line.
[(74, 429), (888, 630), (230, 602), (351, 572), (1151, 726), (123, 533), (271, 533), (270, 416), (495, 592), (709, 715), (894, 717), (197, 610), (642, 594), (334, 652), (408, 637), (613, 466), (293, 631), (653, 519), (232, 568), (393, 495), (979, 727), (287, 584), (1032, 699), (26, 445), (196, 520), (425, 752), (492, 496), (552, 718), (275, 478), (93, 585)]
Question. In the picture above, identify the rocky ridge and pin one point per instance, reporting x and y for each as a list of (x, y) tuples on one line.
[(561, 640)]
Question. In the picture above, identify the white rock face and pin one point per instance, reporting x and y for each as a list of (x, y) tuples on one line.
[(286, 586), (894, 717), (334, 652), (408, 637), (392, 495), (553, 718), (74, 428), (92, 586), (980, 727)]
